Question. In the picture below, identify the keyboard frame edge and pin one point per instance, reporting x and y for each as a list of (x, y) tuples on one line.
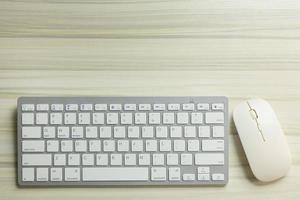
[(94, 99)]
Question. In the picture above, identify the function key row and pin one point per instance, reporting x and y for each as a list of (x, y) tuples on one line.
[(117, 107)]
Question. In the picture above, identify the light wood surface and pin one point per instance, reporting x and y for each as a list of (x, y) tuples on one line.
[(240, 49)]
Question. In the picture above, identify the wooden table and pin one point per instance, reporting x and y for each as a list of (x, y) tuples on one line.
[(240, 49)]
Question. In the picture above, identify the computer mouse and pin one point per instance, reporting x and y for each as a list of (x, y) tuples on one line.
[(263, 140)]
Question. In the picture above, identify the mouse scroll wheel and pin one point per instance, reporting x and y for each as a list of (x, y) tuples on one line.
[(253, 114)]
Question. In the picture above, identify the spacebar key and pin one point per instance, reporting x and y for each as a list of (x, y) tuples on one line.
[(115, 174)]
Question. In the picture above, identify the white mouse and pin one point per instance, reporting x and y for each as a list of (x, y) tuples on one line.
[(263, 140)]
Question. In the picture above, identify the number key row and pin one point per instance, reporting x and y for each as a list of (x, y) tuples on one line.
[(122, 118)]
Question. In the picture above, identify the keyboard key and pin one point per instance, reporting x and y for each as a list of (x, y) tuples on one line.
[(66, 145), (204, 131), (218, 131), (71, 107), (102, 159), (36, 159), (203, 170), (98, 118), (41, 118), (72, 174), (130, 159), (203, 106), (56, 118), (105, 132), (112, 118), (27, 118), (193, 145), (144, 107), (214, 117), (33, 146), (94, 145), (158, 159), (196, 118), (186, 159), (88, 159), (154, 118), (161, 131), (115, 174), (140, 118), (175, 131), (158, 174), (86, 107), (27, 174), (101, 107), (42, 174), (59, 159), (77, 132), (172, 159), (80, 146), (42, 107), (119, 132), (203, 177), (130, 107), (48, 131), (57, 107), (133, 132), (84, 118), (70, 118), (174, 174), (91, 132), (165, 145), (147, 132), (137, 145), (188, 106), (123, 145), (182, 118), (73, 159), (168, 118), (188, 177), (27, 107), (116, 159), (63, 132), (218, 177), (31, 132), (109, 145), (52, 145), (144, 159), (179, 145), (56, 174), (217, 106), (189, 131), (209, 159), (212, 145), (159, 107), (174, 106), (114, 107), (151, 145), (126, 118)]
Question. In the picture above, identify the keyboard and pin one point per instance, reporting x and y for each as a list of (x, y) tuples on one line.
[(100, 141)]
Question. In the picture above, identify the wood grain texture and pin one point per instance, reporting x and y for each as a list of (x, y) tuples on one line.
[(240, 49)]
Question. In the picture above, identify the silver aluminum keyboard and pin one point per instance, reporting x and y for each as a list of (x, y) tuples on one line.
[(122, 141)]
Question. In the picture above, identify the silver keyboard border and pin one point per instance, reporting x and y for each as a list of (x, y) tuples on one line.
[(122, 100)]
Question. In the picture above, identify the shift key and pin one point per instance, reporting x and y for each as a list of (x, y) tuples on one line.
[(36, 159)]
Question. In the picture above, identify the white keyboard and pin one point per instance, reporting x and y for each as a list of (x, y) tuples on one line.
[(122, 140)]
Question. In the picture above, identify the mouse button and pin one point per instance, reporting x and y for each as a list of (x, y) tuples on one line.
[(253, 114)]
